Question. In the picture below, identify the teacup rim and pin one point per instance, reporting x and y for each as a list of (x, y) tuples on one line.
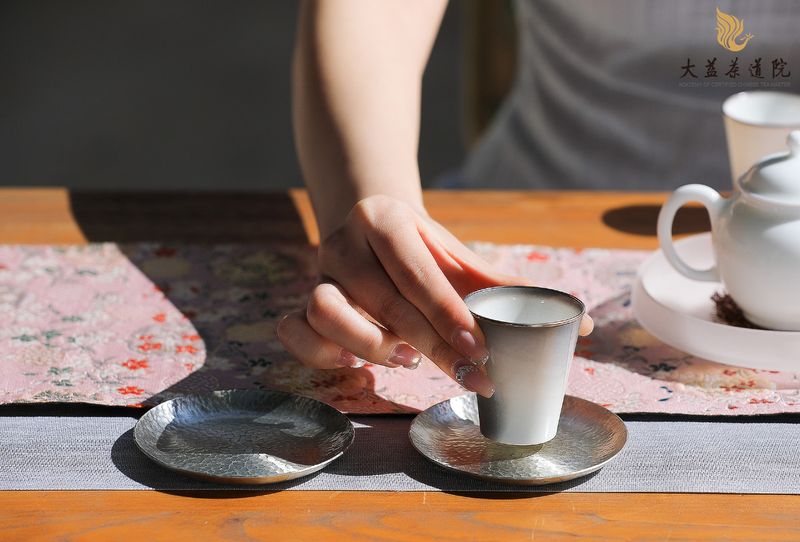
[(557, 323), (727, 104)]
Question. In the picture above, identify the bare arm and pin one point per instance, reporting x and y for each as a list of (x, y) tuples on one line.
[(357, 80), (393, 279)]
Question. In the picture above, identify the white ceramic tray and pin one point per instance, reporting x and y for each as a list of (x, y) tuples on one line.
[(680, 312)]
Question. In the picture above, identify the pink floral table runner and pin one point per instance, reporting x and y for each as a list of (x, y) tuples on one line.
[(136, 324)]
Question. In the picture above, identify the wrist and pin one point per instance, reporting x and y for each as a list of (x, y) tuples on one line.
[(332, 211)]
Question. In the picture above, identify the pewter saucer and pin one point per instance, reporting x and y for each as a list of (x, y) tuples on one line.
[(244, 436), (588, 437)]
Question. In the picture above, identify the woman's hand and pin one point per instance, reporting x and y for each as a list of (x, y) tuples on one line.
[(391, 292)]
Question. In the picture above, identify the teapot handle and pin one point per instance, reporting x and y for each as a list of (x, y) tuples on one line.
[(712, 201)]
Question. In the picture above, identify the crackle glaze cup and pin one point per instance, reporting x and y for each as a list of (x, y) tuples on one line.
[(531, 335), (757, 124)]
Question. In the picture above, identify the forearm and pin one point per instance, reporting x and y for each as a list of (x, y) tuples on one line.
[(357, 81)]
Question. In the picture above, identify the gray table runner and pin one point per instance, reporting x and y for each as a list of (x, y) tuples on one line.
[(91, 452)]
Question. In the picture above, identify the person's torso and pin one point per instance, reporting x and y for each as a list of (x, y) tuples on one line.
[(628, 93)]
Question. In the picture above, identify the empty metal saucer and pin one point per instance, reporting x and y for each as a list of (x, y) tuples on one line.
[(244, 436), (588, 437)]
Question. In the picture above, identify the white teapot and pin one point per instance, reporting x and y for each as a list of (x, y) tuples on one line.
[(756, 238)]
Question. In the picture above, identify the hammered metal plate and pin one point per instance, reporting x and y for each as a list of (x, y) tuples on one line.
[(244, 436), (588, 437)]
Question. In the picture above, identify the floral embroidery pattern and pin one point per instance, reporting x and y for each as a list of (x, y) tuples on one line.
[(137, 324), (83, 324), (134, 364), (130, 390)]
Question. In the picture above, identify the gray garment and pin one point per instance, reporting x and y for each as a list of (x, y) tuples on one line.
[(599, 101)]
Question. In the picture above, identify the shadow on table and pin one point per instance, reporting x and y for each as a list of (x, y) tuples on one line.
[(131, 462), (401, 460), (198, 223), (175, 217), (642, 220), (232, 264), (381, 451)]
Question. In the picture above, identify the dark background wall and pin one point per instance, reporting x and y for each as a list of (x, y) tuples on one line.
[(174, 95)]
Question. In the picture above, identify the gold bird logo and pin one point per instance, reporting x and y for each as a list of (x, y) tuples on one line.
[(728, 30)]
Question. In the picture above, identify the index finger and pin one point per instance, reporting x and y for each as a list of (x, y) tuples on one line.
[(416, 275)]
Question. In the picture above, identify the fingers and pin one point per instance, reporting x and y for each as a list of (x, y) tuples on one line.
[(366, 281), (396, 281), (418, 278), (331, 315), (399, 253), (311, 349), (372, 290)]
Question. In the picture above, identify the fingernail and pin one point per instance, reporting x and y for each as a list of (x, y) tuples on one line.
[(348, 359), (405, 355), (468, 345), (472, 378)]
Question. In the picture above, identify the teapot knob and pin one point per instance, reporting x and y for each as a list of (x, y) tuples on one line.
[(793, 140)]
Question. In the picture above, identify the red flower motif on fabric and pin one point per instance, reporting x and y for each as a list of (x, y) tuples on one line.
[(535, 256), (162, 289), (131, 390), (589, 370), (160, 317), (186, 348), (134, 364), (741, 386), (191, 337), (146, 347)]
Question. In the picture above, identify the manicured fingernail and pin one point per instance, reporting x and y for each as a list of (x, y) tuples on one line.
[(405, 355), (472, 378), (467, 344), (348, 359)]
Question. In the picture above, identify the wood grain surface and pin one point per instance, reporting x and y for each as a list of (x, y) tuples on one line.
[(420, 516), (579, 219)]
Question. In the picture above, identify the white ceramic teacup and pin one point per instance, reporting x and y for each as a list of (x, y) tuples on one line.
[(757, 124), (530, 334)]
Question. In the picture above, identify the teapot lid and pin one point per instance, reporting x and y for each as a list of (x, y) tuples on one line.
[(777, 176)]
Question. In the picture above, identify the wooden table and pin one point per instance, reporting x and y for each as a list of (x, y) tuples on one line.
[(569, 219)]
